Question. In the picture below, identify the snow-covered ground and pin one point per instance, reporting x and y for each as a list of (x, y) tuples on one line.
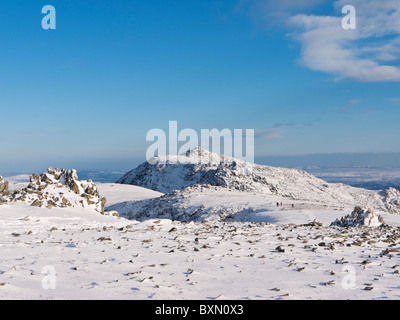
[(97, 256), (118, 193)]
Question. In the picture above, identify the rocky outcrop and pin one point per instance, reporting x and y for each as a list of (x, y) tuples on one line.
[(60, 188), (3, 190), (360, 217), (391, 199), (3, 186)]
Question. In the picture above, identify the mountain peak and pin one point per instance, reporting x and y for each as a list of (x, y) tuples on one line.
[(197, 155)]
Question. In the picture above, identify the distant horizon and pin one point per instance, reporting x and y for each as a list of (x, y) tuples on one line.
[(327, 160)]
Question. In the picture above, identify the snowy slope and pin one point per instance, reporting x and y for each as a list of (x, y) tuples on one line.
[(205, 202), (117, 193)]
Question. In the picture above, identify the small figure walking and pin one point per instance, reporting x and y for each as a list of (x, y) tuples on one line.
[(277, 204), (292, 205), (281, 204)]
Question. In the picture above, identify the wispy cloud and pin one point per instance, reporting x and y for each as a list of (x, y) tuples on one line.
[(268, 9), (370, 53), (269, 134), (282, 125), (348, 107), (394, 100)]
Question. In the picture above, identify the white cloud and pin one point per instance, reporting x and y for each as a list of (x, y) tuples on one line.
[(362, 54)]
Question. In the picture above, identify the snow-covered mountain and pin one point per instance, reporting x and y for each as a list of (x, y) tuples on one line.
[(177, 176)]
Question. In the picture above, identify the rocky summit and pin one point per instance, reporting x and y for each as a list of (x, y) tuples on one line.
[(58, 188)]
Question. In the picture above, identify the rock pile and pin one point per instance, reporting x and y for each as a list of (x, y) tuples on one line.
[(60, 188), (359, 218)]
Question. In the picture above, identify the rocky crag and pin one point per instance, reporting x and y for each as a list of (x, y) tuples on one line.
[(56, 188), (360, 217)]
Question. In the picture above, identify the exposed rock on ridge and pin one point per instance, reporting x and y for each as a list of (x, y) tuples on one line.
[(59, 188)]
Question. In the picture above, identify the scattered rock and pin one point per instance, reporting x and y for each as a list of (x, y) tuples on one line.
[(104, 239), (313, 223), (279, 249), (329, 283)]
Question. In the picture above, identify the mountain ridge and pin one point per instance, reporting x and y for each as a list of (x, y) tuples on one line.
[(192, 168)]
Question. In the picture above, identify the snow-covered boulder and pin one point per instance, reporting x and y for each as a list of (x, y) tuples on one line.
[(60, 188), (360, 217)]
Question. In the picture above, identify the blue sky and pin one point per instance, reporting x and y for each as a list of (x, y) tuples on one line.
[(85, 94)]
